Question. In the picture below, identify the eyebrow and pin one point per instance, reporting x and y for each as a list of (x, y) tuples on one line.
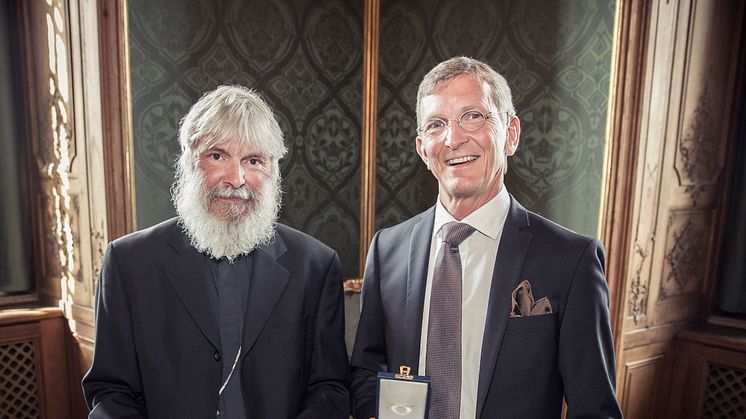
[(462, 110), (213, 149)]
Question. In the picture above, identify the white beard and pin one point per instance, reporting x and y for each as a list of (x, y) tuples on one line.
[(236, 234)]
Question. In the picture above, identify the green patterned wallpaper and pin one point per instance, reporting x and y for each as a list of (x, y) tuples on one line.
[(306, 58), (556, 56)]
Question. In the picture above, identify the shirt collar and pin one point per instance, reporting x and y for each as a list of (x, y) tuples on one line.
[(483, 219)]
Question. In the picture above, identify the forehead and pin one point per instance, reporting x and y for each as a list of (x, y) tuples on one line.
[(232, 146), (458, 94)]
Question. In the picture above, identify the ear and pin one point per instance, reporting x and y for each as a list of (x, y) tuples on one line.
[(512, 137), (422, 152)]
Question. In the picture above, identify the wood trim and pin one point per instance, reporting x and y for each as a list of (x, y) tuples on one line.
[(624, 118), (716, 336), (117, 118), (29, 315), (733, 322), (368, 139)]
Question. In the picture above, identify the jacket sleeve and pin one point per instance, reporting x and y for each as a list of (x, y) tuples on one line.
[(369, 352), (586, 349), (112, 387), (327, 395)]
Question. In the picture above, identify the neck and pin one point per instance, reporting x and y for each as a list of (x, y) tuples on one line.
[(462, 207)]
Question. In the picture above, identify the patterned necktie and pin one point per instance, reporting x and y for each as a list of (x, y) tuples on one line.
[(443, 358)]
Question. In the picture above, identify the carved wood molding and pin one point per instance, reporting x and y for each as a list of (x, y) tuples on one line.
[(687, 253), (48, 77), (639, 289), (623, 142), (117, 117), (695, 164)]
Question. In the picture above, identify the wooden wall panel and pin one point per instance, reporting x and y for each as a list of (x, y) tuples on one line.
[(639, 393), (686, 128), (672, 252), (61, 76)]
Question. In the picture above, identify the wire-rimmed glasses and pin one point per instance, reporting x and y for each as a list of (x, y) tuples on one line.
[(469, 121)]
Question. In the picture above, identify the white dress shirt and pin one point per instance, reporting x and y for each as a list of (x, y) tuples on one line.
[(478, 254)]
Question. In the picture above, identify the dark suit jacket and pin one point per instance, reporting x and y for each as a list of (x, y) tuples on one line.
[(528, 363), (157, 351)]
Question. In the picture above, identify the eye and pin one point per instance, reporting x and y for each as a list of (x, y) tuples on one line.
[(215, 156), (255, 161), (472, 116), (434, 125)]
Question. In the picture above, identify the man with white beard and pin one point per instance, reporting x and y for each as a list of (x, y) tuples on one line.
[(221, 311)]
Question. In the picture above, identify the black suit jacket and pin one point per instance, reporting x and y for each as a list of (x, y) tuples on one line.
[(528, 363), (157, 351)]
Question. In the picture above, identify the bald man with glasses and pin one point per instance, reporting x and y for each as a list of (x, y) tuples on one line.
[(505, 311)]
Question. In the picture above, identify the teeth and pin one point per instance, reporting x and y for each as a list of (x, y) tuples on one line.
[(461, 160)]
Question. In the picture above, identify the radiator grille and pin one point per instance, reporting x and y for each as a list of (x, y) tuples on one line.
[(18, 384), (725, 393)]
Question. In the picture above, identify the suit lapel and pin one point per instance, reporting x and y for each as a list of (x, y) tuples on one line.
[(186, 272), (506, 275), (268, 280), (419, 254)]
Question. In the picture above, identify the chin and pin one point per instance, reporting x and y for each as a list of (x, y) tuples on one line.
[(462, 190)]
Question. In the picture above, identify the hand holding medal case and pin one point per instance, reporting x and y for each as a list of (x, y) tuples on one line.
[(402, 395)]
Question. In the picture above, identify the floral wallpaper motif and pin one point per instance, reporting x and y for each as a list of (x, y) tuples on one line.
[(556, 56), (305, 57)]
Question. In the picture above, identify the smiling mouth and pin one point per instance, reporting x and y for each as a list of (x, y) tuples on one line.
[(460, 160)]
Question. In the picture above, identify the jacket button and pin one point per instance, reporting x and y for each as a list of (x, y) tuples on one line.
[(216, 355)]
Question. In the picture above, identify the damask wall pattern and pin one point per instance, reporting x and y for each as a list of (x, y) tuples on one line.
[(304, 56), (556, 56), (306, 59)]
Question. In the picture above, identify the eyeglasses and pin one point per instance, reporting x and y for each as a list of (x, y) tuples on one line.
[(469, 121)]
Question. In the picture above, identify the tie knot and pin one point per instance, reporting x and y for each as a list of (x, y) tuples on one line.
[(455, 233)]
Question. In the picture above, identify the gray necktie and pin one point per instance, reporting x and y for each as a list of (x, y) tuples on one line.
[(443, 359)]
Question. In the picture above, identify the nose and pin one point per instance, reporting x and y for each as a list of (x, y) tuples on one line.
[(235, 175), (454, 135)]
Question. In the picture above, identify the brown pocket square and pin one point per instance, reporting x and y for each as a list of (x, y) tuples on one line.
[(523, 303)]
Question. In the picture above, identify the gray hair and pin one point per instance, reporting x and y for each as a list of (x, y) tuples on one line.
[(230, 113), (456, 66)]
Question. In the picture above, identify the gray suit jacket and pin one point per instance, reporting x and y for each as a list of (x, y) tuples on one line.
[(157, 351), (528, 364)]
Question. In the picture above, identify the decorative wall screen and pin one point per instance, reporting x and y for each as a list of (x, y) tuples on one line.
[(725, 393), (18, 381)]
